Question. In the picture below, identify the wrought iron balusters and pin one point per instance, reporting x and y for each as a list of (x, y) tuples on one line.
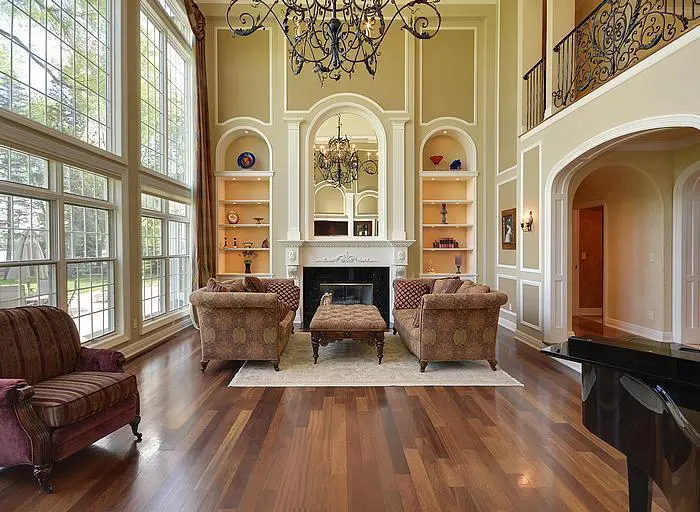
[(535, 103)]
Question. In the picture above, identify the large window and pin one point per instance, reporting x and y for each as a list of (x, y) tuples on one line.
[(165, 255), (32, 250), (55, 65), (166, 99)]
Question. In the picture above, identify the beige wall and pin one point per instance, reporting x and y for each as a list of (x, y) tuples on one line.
[(634, 231), (507, 199), (530, 202)]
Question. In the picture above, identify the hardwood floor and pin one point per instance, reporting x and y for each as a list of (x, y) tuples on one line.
[(210, 447)]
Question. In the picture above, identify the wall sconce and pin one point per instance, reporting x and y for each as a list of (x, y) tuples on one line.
[(526, 223)]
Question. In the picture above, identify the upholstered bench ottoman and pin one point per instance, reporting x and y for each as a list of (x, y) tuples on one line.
[(357, 322)]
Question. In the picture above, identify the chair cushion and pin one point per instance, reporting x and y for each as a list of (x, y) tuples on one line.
[(479, 288), (286, 290), (448, 285), (75, 396), (226, 286), (253, 284), (408, 292)]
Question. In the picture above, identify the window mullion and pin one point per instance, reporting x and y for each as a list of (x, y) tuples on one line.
[(60, 240), (164, 102)]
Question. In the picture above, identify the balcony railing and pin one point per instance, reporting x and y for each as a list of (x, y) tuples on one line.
[(534, 94), (614, 37)]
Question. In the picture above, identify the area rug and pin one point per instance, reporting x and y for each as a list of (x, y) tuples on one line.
[(349, 363)]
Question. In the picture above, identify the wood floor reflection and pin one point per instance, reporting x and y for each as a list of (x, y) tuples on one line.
[(210, 447)]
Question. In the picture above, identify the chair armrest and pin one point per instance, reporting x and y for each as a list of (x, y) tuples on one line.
[(100, 360), (25, 439), (10, 391), (490, 300)]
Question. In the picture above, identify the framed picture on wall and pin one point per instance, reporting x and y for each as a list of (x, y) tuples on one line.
[(508, 231)]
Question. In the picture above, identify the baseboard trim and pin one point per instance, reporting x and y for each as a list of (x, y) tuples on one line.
[(531, 341), (639, 330), (153, 340), (590, 311), (508, 320)]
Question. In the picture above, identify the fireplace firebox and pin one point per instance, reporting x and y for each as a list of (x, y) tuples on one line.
[(349, 285)]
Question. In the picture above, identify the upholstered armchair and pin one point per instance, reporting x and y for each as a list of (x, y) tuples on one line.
[(57, 397), (240, 326)]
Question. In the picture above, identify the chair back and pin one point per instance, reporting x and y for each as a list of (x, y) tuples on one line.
[(37, 343)]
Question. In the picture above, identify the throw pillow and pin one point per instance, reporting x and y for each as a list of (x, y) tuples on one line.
[(229, 286), (285, 290), (416, 318), (253, 284), (408, 292), (449, 285), (479, 288)]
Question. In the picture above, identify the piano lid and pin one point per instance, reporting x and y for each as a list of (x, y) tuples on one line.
[(669, 362)]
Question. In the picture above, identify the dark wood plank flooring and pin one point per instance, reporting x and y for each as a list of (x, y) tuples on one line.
[(209, 447)]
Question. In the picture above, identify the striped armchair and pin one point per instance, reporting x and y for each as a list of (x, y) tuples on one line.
[(57, 397)]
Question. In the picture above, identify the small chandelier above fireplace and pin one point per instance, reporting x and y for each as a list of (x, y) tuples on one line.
[(336, 36), (339, 162)]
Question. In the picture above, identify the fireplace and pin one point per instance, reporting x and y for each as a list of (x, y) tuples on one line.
[(349, 285)]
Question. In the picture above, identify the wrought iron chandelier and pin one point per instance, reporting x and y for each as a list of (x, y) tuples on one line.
[(335, 35), (339, 163)]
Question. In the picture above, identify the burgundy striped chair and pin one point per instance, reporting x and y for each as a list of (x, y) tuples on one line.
[(57, 397)]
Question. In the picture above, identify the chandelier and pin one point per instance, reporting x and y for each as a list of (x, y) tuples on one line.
[(335, 35), (338, 163)]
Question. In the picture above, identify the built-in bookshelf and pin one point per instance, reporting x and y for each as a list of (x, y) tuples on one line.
[(248, 194), (445, 238)]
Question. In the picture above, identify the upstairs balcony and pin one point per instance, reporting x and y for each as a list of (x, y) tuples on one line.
[(614, 37)]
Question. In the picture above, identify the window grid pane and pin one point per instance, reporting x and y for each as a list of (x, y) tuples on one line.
[(178, 209), (179, 19), (151, 96), (84, 183), (24, 229), (91, 298), (178, 148), (178, 239), (151, 237), (153, 288), (22, 168), (87, 233), (27, 285), (55, 66), (153, 203), (180, 272)]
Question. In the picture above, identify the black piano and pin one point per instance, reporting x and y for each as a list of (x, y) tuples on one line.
[(643, 398)]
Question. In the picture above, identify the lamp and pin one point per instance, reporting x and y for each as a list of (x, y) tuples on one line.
[(526, 223)]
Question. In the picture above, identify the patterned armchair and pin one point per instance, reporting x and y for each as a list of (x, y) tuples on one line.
[(447, 326), (57, 397), (241, 326)]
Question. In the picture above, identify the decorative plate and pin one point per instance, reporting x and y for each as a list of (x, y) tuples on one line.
[(246, 160), (232, 217)]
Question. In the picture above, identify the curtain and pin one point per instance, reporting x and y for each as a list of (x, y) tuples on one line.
[(204, 262)]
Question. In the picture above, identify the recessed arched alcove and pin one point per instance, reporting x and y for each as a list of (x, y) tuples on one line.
[(239, 140)]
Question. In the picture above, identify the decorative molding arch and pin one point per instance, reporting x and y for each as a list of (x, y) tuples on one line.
[(461, 136), (556, 216), (325, 109), (231, 135), (687, 183), (361, 196)]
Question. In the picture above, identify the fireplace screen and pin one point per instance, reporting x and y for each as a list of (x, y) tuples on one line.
[(349, 293)]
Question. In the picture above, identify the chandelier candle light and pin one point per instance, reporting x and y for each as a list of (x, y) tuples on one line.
[(335, 36)]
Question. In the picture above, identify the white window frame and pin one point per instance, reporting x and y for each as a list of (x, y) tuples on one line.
[(165, 217), (57, 199), (169, 33), (115, 149)]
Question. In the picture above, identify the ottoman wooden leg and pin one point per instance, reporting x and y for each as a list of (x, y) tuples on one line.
[(314, 346), (380, 347)]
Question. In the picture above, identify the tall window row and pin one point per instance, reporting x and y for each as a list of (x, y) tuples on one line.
[(55, 65), (166, 99), (166, 274), (58, 220)]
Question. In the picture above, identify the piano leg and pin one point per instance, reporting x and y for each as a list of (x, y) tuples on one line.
[(640, 486)]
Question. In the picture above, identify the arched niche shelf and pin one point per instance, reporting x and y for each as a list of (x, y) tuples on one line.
[(329, 200), (453, 144), (237, 140)]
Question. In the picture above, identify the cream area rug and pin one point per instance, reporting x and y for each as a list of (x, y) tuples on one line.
[(350, 363)]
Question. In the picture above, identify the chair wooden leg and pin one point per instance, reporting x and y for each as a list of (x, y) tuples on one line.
[(135, 428), (423, 364), (493, 364), (41, 473), (276, 365), (203, 365), (394, 329)]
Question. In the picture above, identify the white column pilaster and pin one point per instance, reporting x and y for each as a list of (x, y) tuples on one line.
[(398, 178), (294, 177)]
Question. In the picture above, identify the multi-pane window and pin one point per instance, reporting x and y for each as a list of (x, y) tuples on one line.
[(166, 100), (165, 255), (178, 18), (55, 65), (84, 248)]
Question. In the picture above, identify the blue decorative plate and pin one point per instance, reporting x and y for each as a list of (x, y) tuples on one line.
[(246, 160)]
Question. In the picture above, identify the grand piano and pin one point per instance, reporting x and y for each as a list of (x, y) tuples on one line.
[(643, 398)]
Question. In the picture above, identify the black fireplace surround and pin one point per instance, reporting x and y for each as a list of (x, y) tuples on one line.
[(314, 277)]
